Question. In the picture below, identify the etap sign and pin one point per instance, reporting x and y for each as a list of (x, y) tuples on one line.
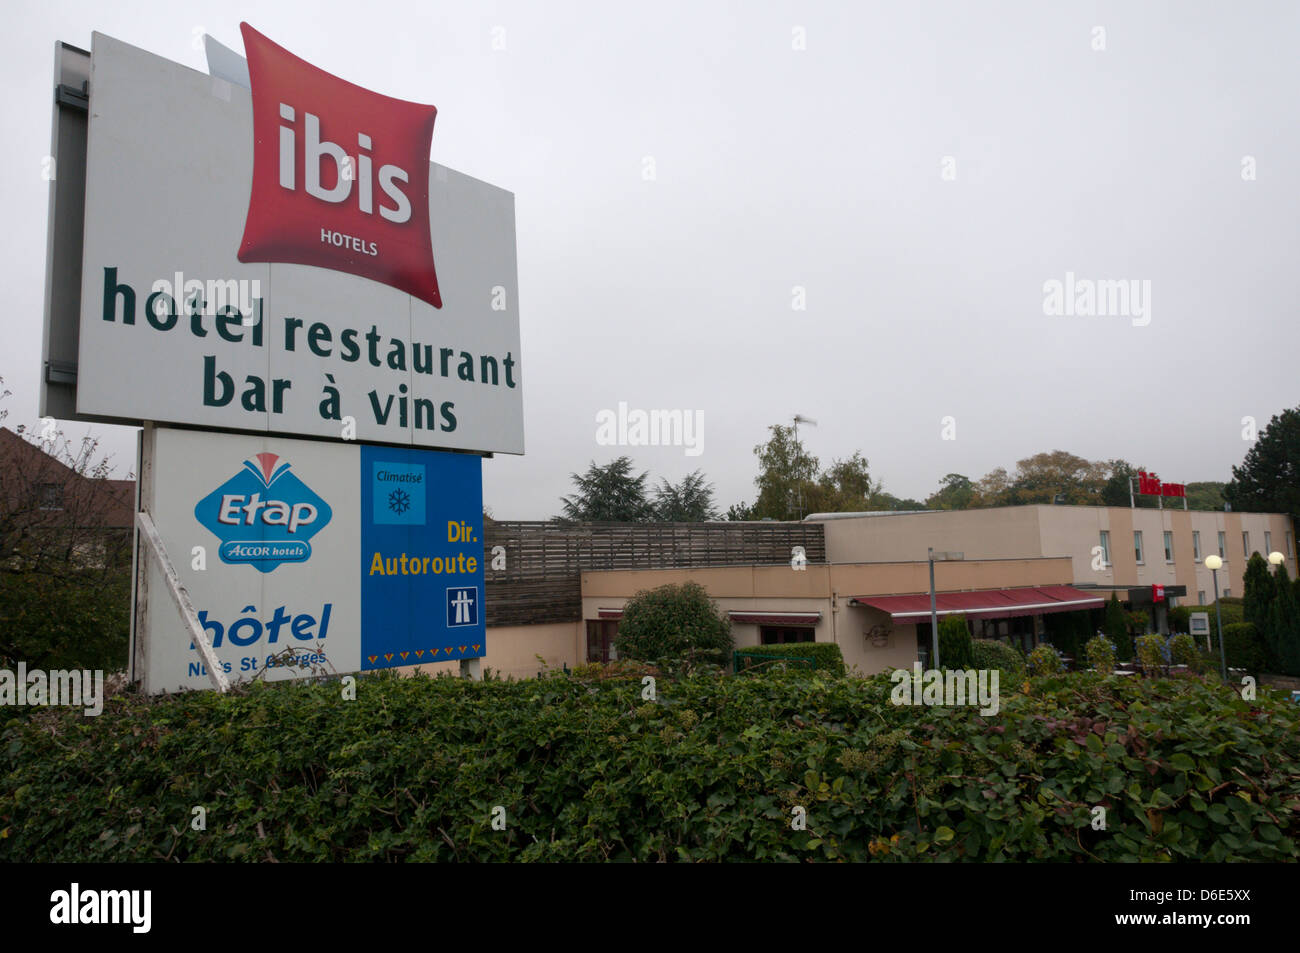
[(285, 282)]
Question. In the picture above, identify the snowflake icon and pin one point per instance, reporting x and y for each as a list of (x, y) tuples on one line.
[(399, 501)]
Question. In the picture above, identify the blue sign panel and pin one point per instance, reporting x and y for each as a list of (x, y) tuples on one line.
[(421, 557)]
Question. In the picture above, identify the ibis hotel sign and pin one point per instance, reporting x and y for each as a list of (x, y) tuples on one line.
[(279, 254)]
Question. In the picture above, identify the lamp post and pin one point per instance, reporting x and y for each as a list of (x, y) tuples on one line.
[(934, 612), (1276, 559), (1214, 564)]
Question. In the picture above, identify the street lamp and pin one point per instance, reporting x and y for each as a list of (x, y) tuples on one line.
[(1214, 564), (934, 612), (1276, 558)]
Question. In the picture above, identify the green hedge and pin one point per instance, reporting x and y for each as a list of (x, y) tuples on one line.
[(825, 655), (990, 654), (587, 770), (1243, 646)]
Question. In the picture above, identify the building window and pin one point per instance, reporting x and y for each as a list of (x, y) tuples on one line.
[(1196, 549), (1245, 544), (1223, 545), (600, 640), (1268, 543), (1169, 547), (1200, 597), (1105, 548), (1137, 546), (776, 635), (1289, 550), (1227, 593), (51, 496)]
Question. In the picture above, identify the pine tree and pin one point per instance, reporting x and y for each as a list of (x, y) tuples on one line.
[(1284, 623)]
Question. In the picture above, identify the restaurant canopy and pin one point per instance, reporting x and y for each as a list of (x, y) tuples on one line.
[(984, 603)]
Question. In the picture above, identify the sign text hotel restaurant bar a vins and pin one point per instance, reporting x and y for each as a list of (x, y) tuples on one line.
[(287, 259)]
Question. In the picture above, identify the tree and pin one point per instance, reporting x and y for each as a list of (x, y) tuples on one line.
[(956, 492), (1123, 480), (1284, 623), (786, 474), (955, 650), (65, 554), (1268, 480), (739, 512), (690, 501), (1044, 476), (609, 493), (846, 487), (1205, 495), (1116, 626), (674, 622), (992, 488)]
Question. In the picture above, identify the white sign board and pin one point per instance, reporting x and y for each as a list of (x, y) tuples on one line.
[(304, 557), (178, 325)]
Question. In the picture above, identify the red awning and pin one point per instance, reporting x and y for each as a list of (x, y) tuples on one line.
[(984, 603), (775, 618), (610, 613)]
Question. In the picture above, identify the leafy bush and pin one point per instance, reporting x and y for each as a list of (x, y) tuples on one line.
[(826, 656), (588, 771), (674, 622), (1117, 628), (990, 654), (954, 642), (1182, 649), (1101, 654), (1244, 648), (1153, 652), (1045, 660)]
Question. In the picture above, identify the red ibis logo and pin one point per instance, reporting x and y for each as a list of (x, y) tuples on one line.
[(340, 174)]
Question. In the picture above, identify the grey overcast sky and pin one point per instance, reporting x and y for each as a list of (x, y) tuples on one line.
[(1111, 140)]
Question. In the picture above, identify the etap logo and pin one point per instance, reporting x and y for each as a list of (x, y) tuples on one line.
[(340, 174), (263, 515)]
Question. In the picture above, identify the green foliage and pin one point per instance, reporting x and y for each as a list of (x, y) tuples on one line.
[(826, 656), (1116, 626), (1044, 660), (954, 642), (609, 493), (690, 501), (1069, 631), (1138, 621), (1101, 654), (1153, 653), (1182, 649), (586, 770), (674, 622), (1268, 480), (956, 492), (786, 475), (1284, 623), (990, 654), (1245, 648)]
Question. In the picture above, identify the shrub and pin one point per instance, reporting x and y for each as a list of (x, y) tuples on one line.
[(1182, 650), (826, 656), (1117, 628), (588, 771), (1244, 647), (954, 642), (990, 654), (1153, 652), (1101, 654), (1139, 622), (1045, 660), (674, 622)]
